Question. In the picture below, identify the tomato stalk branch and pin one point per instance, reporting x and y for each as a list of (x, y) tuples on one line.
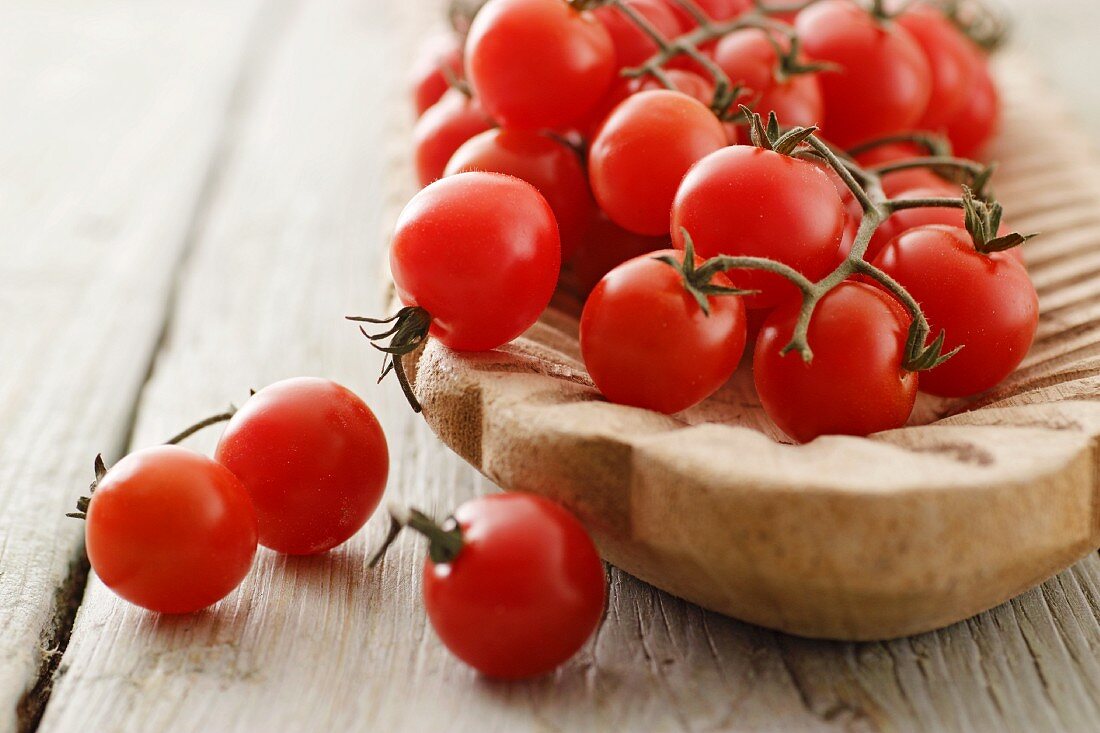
[(444, 539)]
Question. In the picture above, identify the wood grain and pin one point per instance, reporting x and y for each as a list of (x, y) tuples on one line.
[(306, 191), (110, 116)]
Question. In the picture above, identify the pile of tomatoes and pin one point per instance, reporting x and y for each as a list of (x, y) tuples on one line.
[(720, 177), (513, 585)]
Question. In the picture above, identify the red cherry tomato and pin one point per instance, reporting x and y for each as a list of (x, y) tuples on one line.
[(480, 253), (951, 60), (607, 245), (907, 179), (314, 460), (538, 64), (884, 82), (647, 343), (749, 59), (442, 129), (976, 122), (170, 530), (713, 9), (632, 45), (643, 150), (984, 303), (442, 51), (547, 164), (688, 82), (855, 384), (746, 201), (525, 591)]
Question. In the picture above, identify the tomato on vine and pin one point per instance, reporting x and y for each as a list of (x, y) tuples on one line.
[(974, 125), (545, 162), (883, 81), (632, 45), (474, 258), (538, 64), (951, 60), (656, 336), (439, 62), (312, 457), (513, 584), (440, 131), (752, 201), (983, 300), (643, 150), (856, 382), (169, 529), (606, 245)]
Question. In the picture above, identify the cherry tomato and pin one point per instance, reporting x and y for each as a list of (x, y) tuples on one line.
[(984, 303), (896, 183), (442, 129), (884, 82), (607, 245), (688, 82), (314, 460), (632, 45), (746, 201), (546, 163), (951, 60), (538, 63), (170, 530), (855, 384), (480, 252), (976, 122), (749, 59), (647, 343), (525, 591), (440, 54), (713, 9), (643, 150)]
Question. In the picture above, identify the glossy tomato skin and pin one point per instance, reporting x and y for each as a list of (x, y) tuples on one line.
[(884, 82), (975, 124), (314, 460), (538, 64), (985, 303), (546, 163), (855, 384), (440, 131), (646, 342), (951, 60), (746, 201), (525, 592), (642, 152), (480, 252), (605, 246), (632, 46), (171, 530), (688, 82), (428, 80)]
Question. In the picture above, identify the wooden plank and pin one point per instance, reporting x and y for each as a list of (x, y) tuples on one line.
[(111, 117), (291, 244)]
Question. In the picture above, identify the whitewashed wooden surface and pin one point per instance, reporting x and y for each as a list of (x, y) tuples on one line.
[(191, 196)]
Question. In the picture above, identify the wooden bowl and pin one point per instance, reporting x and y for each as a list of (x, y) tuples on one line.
[(844, 538)]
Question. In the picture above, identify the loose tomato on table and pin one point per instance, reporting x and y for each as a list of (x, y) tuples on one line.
[(653, 338), (856, 383), (538, 64), (985, 303), (546, 163), (169, 529), (312, 457), (883, 82), (513, 584), (440, 131), (747, 201), (643, 150)]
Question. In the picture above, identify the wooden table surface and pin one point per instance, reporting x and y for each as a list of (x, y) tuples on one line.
[(192, 195)]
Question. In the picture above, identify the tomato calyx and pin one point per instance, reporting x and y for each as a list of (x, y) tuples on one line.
[(84, 502), (445, 541), (983, 221), (409, 330), (770, 137), (697, 281)]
